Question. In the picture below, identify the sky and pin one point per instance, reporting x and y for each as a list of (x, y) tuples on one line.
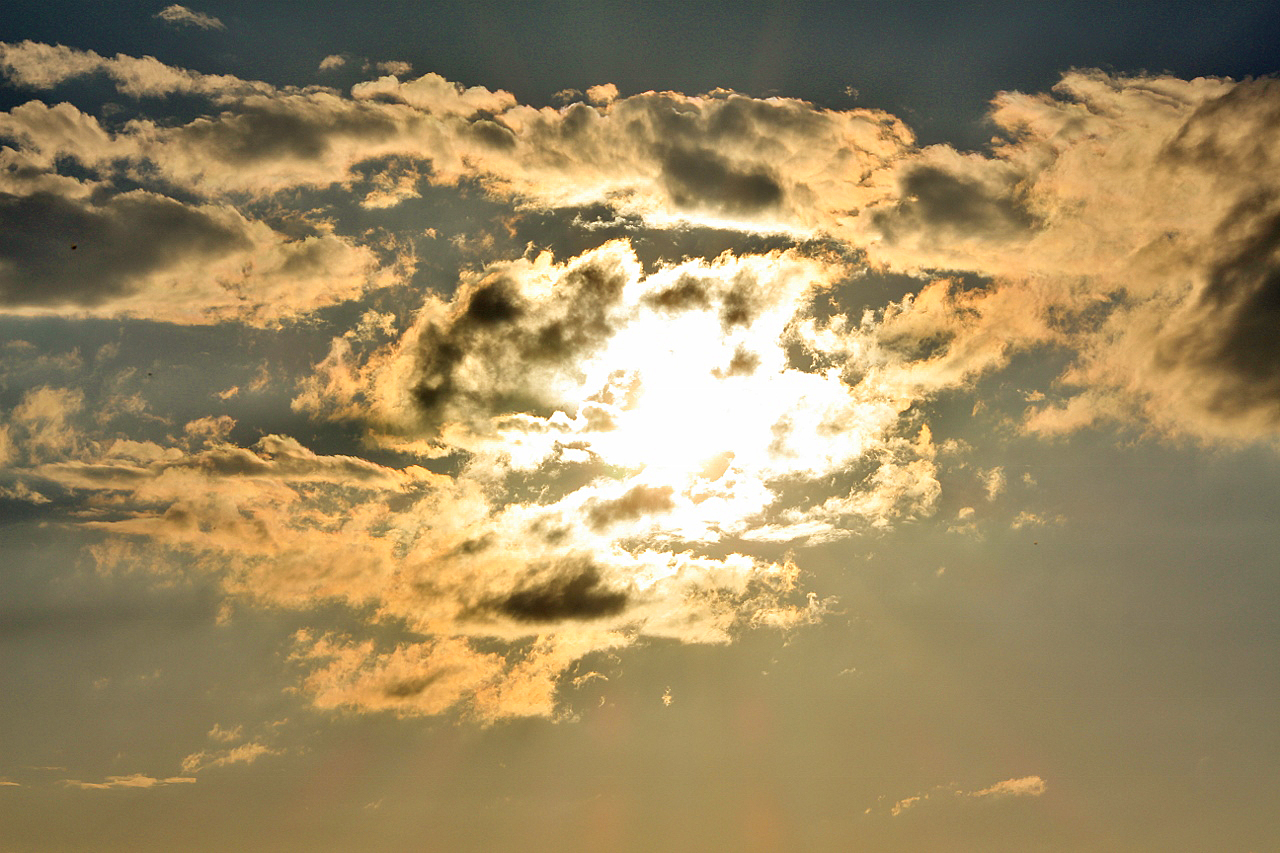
[(629, 426)]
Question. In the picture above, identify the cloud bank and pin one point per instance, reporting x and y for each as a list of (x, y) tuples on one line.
[(595, 449)]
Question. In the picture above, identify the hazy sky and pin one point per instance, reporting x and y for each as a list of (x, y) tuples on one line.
[(639, 426)]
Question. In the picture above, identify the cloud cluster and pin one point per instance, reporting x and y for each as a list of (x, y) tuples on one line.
[(1125, 218), (619, 439), (1132, 220)]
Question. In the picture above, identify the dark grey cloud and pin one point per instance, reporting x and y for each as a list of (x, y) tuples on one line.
[(742, 302), (507, 343), (493, 134), (1232, 134), (937, 201), (59, 251), (295, 126), (1237, 340), (686, 294), (574, 592), (699, 178), (637, 502), (743, 363)]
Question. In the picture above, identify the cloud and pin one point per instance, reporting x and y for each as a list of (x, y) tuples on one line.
[(394, 67), (43, 66), (181, 16), (136, 780), (620, 437), (902, 805), (332, 62), (198, 263), (245, 753), (1027, 786), (1120, 216), (573, 592)]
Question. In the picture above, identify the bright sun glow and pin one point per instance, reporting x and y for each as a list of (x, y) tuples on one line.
[(693, 396)]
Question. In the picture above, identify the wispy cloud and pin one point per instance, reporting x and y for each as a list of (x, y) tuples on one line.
[(136, 780), (1026, 786), (183, 17), (245, 753)]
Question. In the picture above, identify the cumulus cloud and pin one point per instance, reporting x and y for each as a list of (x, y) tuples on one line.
[(199, 263), (43, 66), (183, 17), (1120, 216)]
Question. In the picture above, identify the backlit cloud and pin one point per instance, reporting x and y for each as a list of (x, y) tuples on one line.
[(558, 455)]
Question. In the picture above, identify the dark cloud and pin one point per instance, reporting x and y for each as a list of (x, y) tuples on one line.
[(301, 127), (509, 342), (699, 178), (742, 302), (686, 294), (1232, 134), (117, 243), (574, 592), (493, 134), (1238, 339), (935, 200), (743, 363), (637, 502), (407, 688)]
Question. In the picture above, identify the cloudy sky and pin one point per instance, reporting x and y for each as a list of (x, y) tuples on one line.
[(639, 426)]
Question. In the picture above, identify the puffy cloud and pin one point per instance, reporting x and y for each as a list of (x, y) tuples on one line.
[(611, 431), (198, 263), (605, 93), (183, 17), (1120, 215), (394, 67), (41, 425), (44, 66), (434, 94)]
